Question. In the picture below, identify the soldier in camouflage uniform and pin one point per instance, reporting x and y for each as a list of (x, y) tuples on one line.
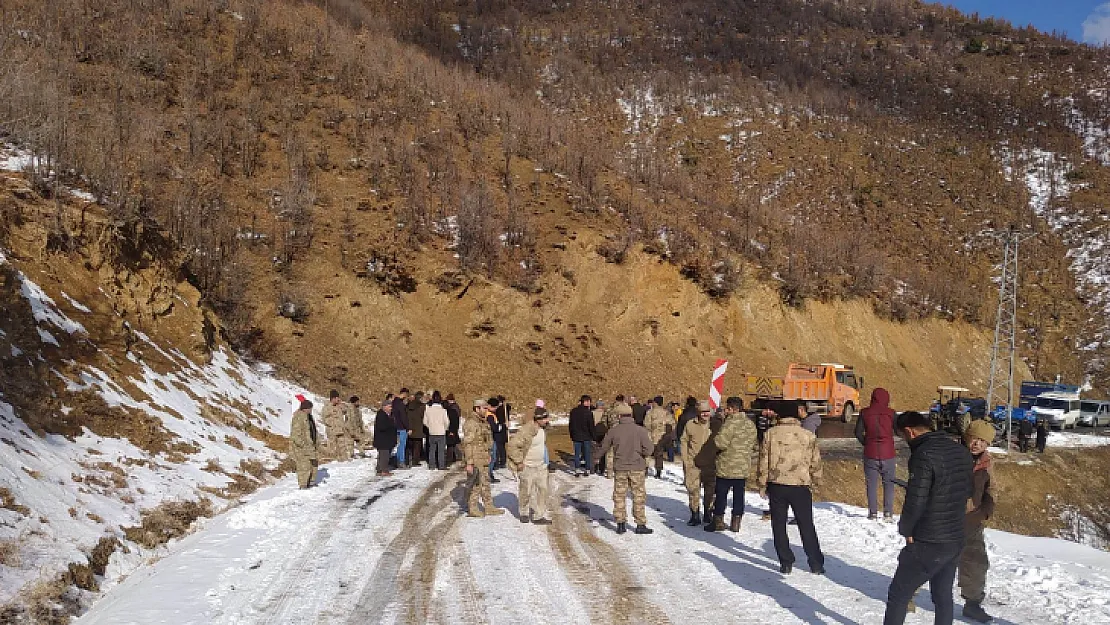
[(477, 443), (610, 420), (527, 456), (335, 421), (735, 442), (356, 428), (303, 443), (789, 463), (631, 444), (699, 463), (660, 425)]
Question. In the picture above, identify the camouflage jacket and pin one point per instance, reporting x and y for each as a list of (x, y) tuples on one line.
[(334, 418), (519, 442), (735, 443), (789, 455), (302, 435), (477, 439), (356, 427), (656, 422), (698, 447)]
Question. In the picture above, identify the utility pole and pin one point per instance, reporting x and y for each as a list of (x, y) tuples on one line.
[(1006, 327)]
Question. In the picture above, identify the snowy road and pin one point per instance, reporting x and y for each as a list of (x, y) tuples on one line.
[(361, 549)]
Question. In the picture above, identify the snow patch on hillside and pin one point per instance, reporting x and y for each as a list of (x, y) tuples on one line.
[(68, 494), (1047, 176)]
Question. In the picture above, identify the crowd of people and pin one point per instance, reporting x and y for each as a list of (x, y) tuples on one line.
[(948, 493)]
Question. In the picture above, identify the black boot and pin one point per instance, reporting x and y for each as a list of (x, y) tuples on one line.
[(695, 518), (621, 528), (786, 568), (974, 611), (643, 529)]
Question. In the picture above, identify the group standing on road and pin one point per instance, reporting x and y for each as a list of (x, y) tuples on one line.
[(948, 494)]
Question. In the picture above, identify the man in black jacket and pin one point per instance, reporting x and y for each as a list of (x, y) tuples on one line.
[(385, 437), (932, 518), (583, 434)]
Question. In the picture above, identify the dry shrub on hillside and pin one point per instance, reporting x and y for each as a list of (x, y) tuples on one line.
[(7, 501), (89, 410), (9, 552), (169, 520)]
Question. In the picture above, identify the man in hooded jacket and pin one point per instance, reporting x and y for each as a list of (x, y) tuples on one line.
[(875, 431)]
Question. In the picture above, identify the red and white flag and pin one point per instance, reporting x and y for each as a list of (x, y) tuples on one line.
[(718, 383)]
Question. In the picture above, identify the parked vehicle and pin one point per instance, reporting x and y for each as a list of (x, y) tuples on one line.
[(1031, 390), (952, 411), (1094, 413), (833, 388), (1059, 409)]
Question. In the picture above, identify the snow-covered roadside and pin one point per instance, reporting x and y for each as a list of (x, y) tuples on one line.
[(67, 494), (272, 559)]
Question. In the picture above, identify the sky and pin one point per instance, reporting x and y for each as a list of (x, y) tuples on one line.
[(1082, 20)]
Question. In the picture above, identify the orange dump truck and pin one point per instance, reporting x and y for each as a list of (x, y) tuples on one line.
[(833, 388)]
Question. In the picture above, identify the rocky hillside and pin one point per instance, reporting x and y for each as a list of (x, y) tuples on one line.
[(123, 416), (588, 197)]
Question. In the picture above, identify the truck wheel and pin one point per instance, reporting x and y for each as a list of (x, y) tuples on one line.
[(849, 413)]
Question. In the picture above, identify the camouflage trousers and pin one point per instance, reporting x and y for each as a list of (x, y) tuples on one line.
[(477, 490), (306, 470), (359, 443), (973, 566), (609, 455), (533, 492), (701, 486), (624, 482), (340, 447)]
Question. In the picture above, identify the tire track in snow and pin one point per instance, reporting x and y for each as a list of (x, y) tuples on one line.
[(608, 587), (402, 586), (286, 592)]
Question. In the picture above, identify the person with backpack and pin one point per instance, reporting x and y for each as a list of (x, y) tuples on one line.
[(875, 431)]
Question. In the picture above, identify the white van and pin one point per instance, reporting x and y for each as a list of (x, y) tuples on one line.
[(1059, 410), (1094, 413)]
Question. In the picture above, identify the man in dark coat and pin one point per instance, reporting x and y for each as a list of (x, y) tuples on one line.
[(501, 437), (875, 431), (400, 420), (414, 416), (454, 418), (582, 433), (385, 437), (639, 411), (932, 518), (1042, 434)]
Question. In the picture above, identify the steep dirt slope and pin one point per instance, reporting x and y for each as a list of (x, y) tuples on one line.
[(637, 327)]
